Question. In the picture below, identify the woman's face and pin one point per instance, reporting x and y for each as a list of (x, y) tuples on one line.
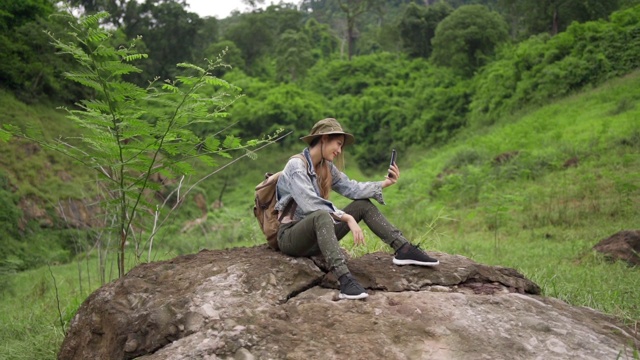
[(332, 147)]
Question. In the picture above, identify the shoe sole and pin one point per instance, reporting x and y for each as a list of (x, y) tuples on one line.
[(353, 297), (414, 262)]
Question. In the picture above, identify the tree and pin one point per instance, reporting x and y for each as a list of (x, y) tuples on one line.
[(28, 65), (253, 3), (252, 36), (352, 10), (324, 43), (231, 56), (467, 38), (293, 55), (170, 33), (132, 133), (255, 33), (208, 33), (553, 16), (115, 8), (418, 26)]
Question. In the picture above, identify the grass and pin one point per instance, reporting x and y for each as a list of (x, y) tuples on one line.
[(41, 172), (531, 213), (29, 319)]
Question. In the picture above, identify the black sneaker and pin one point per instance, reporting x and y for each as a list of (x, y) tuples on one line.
[(410, 254), (351, 289)]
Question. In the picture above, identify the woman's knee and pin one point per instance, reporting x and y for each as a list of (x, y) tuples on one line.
[(363, 205)]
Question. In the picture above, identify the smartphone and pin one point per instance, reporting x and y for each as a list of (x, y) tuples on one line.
[(393, 160)]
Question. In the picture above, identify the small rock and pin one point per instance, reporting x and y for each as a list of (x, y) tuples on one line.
[(562, 332), (208, 311), (131, 345), (438, 288), (556, 346)]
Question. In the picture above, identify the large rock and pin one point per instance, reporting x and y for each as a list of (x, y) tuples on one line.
[(623, 245), (251, 303)]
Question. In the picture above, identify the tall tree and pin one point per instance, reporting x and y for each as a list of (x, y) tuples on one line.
[(352, 10), (323, 41), (553, 16), (467, 38), (28, 64), (293, 55), (255, 33), (208, 34), (418, 27), (170, 33)]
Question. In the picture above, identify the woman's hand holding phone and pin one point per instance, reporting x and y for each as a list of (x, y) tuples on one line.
[(394, 172)]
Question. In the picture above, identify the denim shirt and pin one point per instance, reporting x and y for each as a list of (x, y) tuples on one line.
[(299, 182)]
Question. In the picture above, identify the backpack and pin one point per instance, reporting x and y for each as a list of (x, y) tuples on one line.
[(264, 207)]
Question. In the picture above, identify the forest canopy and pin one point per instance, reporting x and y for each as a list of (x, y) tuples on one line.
[(395, 72)]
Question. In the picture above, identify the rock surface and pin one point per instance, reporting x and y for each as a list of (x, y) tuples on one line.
[(623, 245), (255, 303)]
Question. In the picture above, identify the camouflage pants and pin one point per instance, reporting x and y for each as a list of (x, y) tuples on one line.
[(318, 234)]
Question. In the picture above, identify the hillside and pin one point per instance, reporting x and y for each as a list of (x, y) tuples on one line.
[(574, 180), (517, 127)]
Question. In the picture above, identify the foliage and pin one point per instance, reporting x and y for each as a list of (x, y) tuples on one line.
[(231, 56), (466, 39), (269, 107), (531, 214), (352, 10), (387, 101), (132, 134), (554, 16), (171, 35), (294, 55), (256, 33), (323, 42), (533, 209), (543, 67), (418, 26), (9, 211), (28, 66)]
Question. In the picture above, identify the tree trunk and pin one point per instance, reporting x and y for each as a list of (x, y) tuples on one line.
[(350, 40), (554, 30)]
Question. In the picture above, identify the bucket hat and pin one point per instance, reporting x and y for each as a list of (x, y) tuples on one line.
[(327, 127)]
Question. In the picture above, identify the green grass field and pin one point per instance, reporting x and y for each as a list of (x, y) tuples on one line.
[(533, 212)]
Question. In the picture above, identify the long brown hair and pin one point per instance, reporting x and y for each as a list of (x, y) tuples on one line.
[(324, 170)]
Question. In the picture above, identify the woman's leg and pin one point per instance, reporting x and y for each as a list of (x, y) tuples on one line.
[(405, 252), (311, 235), (378, 223)]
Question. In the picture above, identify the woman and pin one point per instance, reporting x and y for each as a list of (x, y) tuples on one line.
[(311, 224)]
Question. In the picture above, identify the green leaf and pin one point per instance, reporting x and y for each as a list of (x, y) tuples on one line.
[(231, 142), (4, 135), (191, 66), (170, 88), (211, 80), (134, 57), (212, 143)]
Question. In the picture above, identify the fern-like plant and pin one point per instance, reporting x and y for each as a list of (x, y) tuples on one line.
[(130, 134)]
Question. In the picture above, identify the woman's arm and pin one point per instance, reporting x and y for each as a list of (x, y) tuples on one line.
[(358, 190)]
